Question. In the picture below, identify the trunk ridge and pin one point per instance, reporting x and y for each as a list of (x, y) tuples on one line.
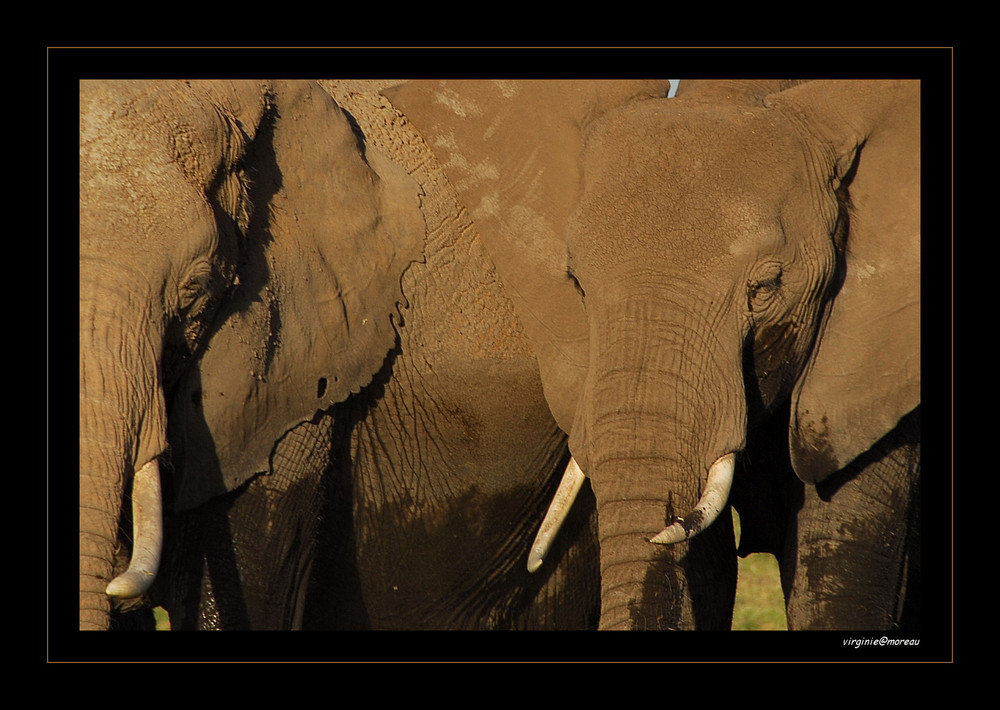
[(664, 402)]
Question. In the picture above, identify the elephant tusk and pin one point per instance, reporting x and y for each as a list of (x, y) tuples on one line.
[(562, 501), (147, 531), (713, 500)]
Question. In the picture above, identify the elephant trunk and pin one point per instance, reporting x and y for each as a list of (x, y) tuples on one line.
[(649, 586), (100, 493), (665, 413), (122, 432)]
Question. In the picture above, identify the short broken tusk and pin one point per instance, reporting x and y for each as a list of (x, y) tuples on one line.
[(559, 508), (713, 500), (147, 535)]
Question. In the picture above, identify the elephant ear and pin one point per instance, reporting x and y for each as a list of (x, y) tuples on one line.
[(865, 371), (512, 149), (333, 227)]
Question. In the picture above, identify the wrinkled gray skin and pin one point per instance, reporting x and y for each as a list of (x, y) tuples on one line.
[(313, 344), (731, 271)]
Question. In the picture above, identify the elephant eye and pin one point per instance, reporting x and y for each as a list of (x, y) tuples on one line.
[(197, 299), (195, 287), (761, 289), (576, 285)]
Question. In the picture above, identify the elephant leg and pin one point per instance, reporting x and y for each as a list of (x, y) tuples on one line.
[(711, 567), (334, 599), (852, 560), (243, 561)]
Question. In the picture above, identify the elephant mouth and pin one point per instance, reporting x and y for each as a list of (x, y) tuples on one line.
[(147, 529), (712, 502)]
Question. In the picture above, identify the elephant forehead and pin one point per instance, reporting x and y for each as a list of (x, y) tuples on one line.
[(667, 180), (665, 217), (153, 201), (143, 126), (689, 150)]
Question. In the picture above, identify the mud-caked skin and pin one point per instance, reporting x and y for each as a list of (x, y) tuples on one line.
[(853, 554)]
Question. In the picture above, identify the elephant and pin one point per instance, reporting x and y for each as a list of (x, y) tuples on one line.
[(306, 400), (722, 291)]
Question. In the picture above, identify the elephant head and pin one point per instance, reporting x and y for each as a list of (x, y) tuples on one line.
[(240, 261), (684, 266)]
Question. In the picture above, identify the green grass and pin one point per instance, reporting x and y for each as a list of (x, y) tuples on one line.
[(759, 602), (760, 605), (162, 619)]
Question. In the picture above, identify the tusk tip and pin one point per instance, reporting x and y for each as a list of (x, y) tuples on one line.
[(130, 585), (712, 502), (569, 485), (670, 535)]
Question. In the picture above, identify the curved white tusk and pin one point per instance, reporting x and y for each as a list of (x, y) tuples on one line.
[(559, 508), (713, 500), (147, 535)]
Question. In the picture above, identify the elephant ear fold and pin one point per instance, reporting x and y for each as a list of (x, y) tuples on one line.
[(333, 228), (864, 375)]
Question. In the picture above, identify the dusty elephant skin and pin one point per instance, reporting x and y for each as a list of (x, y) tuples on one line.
[(354, 379), (722, 289), (432, 477), (202, 206), (312, 348)]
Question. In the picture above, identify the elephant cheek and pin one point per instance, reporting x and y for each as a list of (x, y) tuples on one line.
[(775, 359)]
